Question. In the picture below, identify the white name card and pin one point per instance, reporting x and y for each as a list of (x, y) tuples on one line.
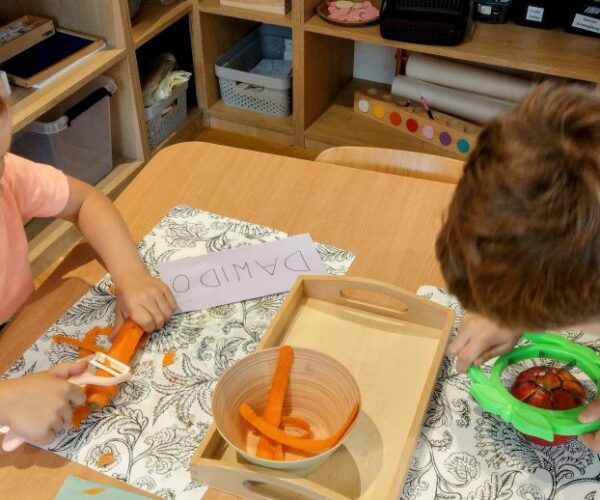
[(242, 273)]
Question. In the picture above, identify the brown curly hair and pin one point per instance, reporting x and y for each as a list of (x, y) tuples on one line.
[(521, 242)]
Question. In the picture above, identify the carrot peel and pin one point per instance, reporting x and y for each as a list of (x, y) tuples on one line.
[(82, 345), (265, 448), (279, 436)]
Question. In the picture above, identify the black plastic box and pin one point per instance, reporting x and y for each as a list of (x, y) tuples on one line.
[(583, 18), (546, 14), (432, 22)]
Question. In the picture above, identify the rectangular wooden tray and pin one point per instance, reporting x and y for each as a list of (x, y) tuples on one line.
[(393, 351), (26, 32)]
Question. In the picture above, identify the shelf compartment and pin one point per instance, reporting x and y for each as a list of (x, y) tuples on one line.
[(261, 121), (29, 104), (154, 18), (550, 52), (339, 125), (187, 131), (214, 7)]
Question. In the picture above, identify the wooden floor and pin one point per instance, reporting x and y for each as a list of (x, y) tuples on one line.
[(227, 139)]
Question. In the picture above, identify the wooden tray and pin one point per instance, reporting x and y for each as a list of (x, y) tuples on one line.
[(24, 32), (393, 352)]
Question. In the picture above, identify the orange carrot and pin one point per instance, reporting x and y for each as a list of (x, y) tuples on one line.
[(92, 491), (83, 346), (89, 338), (105, 459), (79, 414), (298, 422), (168, 358), (278, 453), (265, 448), (279, 436), (122, 349)]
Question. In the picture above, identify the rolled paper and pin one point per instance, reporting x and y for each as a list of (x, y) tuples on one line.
[(466, 105), (466, 77)]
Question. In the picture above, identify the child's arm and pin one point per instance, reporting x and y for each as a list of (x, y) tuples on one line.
[(480, 339), (144, 299), (37, 406), (591, 439)]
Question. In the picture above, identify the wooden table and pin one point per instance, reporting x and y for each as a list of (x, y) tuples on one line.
[(388, 221)]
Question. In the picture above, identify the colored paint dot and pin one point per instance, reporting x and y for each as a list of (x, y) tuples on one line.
[(463, 146), (363, 105), (395, 118), (428, 132), (378, 111), (445, 138), (412, 125)]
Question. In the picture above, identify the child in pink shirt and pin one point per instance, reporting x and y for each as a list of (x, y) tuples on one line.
[(39, 405)]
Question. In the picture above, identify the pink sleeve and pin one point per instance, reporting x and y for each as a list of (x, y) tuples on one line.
[(39, 190)]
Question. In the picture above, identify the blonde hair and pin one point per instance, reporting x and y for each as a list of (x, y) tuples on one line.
[(521, 243)]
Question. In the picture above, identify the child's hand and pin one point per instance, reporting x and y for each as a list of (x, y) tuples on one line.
[(38, 406), (480, 339), (144, 299), (591, 413)]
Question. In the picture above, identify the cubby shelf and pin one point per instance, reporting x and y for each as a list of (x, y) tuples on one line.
[(224, 112), (29, 104), (339, 125), (214, 7), (551, 52), (153, 18)]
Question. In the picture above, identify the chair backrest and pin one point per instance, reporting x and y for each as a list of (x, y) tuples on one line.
[(395, 161)]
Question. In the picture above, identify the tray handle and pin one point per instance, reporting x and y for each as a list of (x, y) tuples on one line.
[(254, 485), (411, 307)]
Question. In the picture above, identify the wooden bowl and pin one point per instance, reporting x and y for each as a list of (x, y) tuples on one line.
[(320, 390)]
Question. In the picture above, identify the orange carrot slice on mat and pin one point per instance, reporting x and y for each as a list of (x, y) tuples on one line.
[(279, 436), (105, 459), (168, 358), (79, 414), (265, 448)]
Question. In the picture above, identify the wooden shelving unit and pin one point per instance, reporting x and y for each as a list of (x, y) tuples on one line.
[(214, 7), (154, 17), (108, 19), (323, 84)]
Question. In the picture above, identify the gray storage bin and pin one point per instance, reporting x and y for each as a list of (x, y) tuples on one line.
[(166, 116), (74, 136), (270, 95)]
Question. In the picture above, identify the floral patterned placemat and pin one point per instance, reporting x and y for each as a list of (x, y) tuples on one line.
[(464, 453), (159, 418)]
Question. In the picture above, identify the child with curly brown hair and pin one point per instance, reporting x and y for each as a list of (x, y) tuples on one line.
[(520, 247)]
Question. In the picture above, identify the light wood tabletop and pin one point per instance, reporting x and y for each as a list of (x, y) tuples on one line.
[(388, 221)]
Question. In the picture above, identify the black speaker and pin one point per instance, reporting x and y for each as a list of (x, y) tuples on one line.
[(432, 22)]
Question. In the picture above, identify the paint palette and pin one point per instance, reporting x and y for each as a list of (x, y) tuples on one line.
[(444, 131)]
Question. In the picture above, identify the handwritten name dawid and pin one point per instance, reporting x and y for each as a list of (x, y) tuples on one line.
[(244, 271)]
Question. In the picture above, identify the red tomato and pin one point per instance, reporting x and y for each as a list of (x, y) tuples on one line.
[(550, 388)]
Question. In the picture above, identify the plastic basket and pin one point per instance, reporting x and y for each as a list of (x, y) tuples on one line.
[(75, 135), (134, 7), (166, 116), (241, 89)]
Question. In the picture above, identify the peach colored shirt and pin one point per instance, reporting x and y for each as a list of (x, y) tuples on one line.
[(27, 190)]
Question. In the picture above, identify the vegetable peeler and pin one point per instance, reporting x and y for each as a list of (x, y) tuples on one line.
[(118, 372)]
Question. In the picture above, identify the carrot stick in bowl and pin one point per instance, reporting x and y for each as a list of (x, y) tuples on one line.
[(298, 443)]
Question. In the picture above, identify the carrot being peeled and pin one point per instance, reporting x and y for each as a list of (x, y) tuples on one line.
[(123, 348), (85, 348), (298, 443), (266, 448)]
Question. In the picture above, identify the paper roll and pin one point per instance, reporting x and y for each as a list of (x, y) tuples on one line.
[(466, 105), (464, 77)]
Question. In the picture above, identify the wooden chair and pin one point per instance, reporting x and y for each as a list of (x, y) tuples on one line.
[(395, 161)]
